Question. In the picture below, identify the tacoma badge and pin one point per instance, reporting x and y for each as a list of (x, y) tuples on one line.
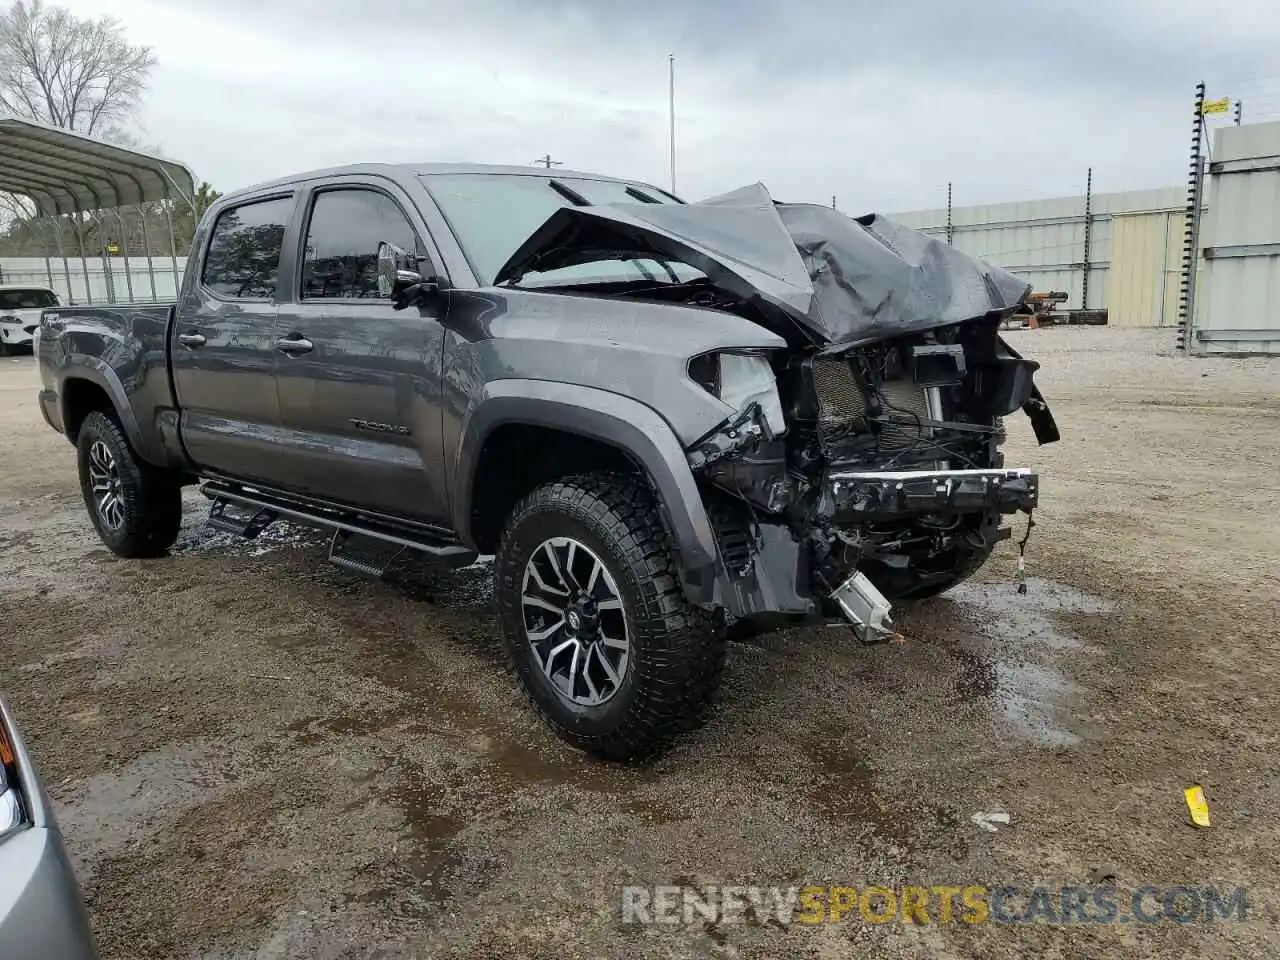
[(379, 427)]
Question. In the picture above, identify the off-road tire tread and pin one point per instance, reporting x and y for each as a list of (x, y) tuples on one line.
[(687, 647), (152, 497)]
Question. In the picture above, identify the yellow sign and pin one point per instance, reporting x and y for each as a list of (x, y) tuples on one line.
[(113, 249), (1216, 106)]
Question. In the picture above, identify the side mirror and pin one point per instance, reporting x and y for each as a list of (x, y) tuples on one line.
[(394, 273), (400, 280)]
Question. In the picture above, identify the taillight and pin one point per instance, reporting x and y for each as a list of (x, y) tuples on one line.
[(12, 814)]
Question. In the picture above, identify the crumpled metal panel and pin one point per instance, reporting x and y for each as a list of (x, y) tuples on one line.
[(842, 280)]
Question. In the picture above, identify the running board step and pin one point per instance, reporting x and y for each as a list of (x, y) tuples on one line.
[(344, 552), (268, 507), (248, 527)]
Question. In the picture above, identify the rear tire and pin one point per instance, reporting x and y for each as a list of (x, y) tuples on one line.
[(632, 663), (135, 508)]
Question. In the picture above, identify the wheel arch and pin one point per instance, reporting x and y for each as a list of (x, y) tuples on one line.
[(83, 390), (619, 425)]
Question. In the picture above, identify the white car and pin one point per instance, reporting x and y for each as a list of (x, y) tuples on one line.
[(20, 310)]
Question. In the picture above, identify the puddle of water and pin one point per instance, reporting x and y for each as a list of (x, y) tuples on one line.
[(465, 587), (112, 810), (844, 786), (1015, 667), (424, 816), (415, 880), (1025, 618), (308, 731), (1030, 697), (195, 537)]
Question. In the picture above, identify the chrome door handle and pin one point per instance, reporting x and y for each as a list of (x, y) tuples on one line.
[(192, 339), (295, 344)]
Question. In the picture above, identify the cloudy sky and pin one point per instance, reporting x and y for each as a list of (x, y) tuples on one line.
[(879, 103)]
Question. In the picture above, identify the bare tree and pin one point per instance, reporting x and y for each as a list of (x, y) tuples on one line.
[(70, 72)]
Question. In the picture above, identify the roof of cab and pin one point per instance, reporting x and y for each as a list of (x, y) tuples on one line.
[(424, 169)]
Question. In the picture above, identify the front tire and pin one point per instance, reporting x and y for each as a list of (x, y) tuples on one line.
[(595, 622), (938, 575), (135, 508)]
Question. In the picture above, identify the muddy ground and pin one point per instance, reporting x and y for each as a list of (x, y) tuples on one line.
[(253, 753)]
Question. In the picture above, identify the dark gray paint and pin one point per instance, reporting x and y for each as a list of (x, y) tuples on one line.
[(121, 350), (841, 280), (450, 372), (370, 363), (610, 418)]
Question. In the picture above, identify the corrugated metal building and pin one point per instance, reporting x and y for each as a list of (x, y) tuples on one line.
[(1134, 243), (1238, 298)]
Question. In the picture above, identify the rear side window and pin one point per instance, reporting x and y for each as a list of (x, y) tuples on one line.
[(244, 252), (341, 258)]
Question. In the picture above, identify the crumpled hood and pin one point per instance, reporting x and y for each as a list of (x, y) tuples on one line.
[(842, 280)]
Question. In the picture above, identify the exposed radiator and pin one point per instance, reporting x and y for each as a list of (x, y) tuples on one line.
[(906, 409), (842, 408)]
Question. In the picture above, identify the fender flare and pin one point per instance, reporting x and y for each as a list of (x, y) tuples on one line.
[(80, 366), (630, 426)]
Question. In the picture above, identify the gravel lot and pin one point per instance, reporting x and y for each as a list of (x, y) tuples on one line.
[(253, 753)]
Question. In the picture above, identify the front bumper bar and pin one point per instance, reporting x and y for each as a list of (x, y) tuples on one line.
[(880, 495)]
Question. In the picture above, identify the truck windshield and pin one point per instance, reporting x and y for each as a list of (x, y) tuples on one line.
[(27, 299), (492, 214)]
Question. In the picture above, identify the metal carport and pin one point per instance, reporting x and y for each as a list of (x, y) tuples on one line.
[(65, 173)]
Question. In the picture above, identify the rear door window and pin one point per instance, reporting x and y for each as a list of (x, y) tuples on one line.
[(243, 260)]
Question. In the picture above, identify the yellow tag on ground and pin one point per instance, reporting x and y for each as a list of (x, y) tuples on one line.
[(1198, 805)]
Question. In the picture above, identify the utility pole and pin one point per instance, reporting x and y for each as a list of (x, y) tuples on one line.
[(671, 113), (547, 162)]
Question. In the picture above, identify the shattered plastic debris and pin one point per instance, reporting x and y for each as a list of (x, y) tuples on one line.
[(1197, 805), (990, 822)]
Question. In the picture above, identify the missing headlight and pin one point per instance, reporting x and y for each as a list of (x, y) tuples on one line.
[(938, 364), (739, 379)]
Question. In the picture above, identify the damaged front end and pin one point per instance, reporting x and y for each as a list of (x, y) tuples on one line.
[(887, 483), (862, 463)]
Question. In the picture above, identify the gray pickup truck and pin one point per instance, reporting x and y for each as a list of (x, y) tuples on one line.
[(670, 423)]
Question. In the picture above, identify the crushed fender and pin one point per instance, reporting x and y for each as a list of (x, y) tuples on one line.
[(738, 434)]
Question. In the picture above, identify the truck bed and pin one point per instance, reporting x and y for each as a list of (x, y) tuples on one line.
[(122, 350)]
